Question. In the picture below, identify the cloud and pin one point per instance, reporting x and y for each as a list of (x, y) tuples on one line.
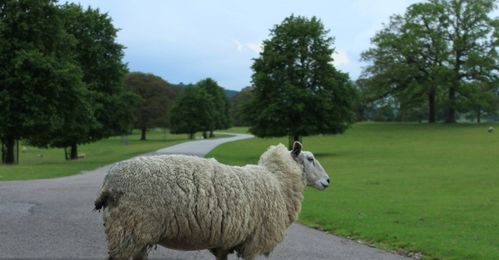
[(340, 58), (239, 45), (255, 47)]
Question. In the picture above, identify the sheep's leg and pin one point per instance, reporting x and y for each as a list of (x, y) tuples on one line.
[(219, 253), (142, 255)]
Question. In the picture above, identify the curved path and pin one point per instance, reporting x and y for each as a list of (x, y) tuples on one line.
[(54, 219)]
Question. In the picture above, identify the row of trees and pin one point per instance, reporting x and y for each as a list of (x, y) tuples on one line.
[(63, 83), (61, 75), (439, 58), (296, 91), (202, 107)]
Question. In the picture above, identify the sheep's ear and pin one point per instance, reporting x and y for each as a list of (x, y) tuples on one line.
[(296, 149)]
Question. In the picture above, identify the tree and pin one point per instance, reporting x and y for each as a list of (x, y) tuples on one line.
[(237, 104), (480, 99), (192, 112), (472, 40), (101, 59), (221, 118), (298, 92), (37, 69), (434, 48), (156, 97)]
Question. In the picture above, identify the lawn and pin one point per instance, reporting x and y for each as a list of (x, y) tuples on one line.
[(432, 189), (36, 163)]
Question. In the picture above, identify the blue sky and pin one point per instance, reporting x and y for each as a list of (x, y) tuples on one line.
[(186, 41)]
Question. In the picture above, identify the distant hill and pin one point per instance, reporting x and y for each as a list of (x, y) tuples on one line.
[(228, 93)]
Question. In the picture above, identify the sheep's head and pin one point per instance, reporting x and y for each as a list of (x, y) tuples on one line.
[(313, 172)]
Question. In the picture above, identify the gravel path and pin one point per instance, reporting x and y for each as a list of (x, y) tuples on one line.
[(54, 219)]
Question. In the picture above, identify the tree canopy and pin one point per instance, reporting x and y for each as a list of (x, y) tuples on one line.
[(220, 105), (439, 49), (61, 76), (37, 69), (202, 107), (101, 59), (156, 98), (192, 112), (297, 91)]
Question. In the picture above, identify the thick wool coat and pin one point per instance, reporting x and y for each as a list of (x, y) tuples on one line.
[(190, 203)]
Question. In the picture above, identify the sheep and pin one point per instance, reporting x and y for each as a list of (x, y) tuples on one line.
[(190, 203)]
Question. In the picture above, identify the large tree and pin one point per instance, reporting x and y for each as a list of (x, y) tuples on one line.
[(37, 71), (221, 118), (156, 97), (101, 59), (473, 40), (192, 112), (434, 49), (298, 92)]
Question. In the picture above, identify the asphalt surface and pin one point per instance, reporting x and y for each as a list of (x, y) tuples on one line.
[(54, 219)]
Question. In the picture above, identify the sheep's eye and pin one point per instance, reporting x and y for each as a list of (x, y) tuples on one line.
[(310, 159)]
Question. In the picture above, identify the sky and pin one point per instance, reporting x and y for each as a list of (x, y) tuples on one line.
[(187, 41)]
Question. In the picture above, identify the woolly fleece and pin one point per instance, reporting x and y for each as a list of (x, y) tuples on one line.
[(190, 203)]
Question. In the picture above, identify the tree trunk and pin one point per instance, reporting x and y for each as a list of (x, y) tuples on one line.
[(143, 134), (191, 136), (431, 107), (74, 152), (9, 150), (451, 109), (205, 135), (211, 134)]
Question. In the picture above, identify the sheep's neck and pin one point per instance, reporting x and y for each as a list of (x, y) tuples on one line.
[(293, 186)]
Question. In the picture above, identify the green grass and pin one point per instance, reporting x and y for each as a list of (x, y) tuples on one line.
[(36, 163), (235, 130), (405, 187)]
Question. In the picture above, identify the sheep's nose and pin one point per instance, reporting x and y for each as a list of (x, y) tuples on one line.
[(328, 180)]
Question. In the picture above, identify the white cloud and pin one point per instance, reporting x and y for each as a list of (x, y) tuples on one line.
[(255, 47), (340, 58), (239, 45)]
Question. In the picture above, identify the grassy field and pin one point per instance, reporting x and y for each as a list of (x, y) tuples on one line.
[(35, 163), (432, 189)]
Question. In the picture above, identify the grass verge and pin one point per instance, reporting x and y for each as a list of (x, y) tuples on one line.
[(37, 163)]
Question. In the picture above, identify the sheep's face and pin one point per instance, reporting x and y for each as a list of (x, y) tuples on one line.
[(313, 172)]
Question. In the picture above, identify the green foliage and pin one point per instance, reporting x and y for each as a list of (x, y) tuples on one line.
[(61, 74), (37, 66), (192, 112), (237, 104), (100, 58), (156, 98), (480, 99), (409, 187), (434, 50), (202, 107), (220, 104), (297, 90)]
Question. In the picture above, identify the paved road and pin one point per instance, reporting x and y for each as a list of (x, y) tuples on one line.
[(54, 219)]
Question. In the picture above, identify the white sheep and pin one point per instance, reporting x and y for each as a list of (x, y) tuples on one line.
[(190, 203)]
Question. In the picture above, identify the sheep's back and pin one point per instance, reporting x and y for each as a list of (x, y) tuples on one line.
[(200, 202)]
